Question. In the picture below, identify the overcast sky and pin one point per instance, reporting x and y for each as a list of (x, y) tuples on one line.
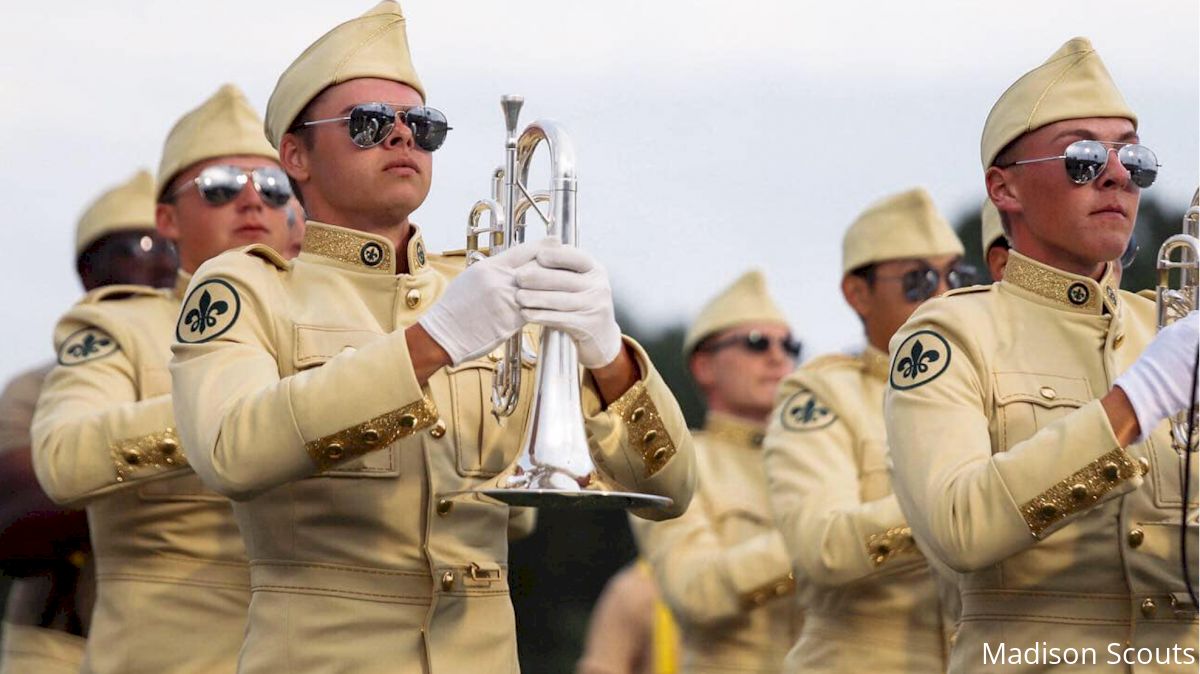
[(711, 136)]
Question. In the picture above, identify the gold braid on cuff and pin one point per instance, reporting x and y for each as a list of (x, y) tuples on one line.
[(647, 433), (1079, 491), (779, 587), (887, 544), (377, 433), (158, 450)]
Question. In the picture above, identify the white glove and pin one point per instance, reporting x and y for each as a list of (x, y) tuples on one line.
[(566, 289), (1158, 384), (479, 309)]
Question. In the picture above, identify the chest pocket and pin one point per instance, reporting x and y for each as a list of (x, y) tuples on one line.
[(1026, 402), (314, 346)]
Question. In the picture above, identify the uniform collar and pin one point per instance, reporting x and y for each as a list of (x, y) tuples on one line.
[(1062, 289), (735, 430), (875, 362), (182, 279), (361, 251)]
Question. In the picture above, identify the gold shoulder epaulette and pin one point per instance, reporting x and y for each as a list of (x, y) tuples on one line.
[(267, 253), (119, 292)]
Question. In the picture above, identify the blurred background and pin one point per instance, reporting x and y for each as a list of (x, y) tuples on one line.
[(712, 137)]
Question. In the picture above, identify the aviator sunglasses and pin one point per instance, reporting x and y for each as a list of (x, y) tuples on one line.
[(222, 184), (756, 342), (1085, 160), (921, 283), (371, 123)]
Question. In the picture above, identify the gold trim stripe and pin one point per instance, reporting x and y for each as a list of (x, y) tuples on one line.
[(159, 450), (1049, 285), (644, 427), (377, 433), (1079, 491), (345, 246), (887, 544)]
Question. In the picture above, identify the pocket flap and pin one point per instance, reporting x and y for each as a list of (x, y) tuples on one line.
[(1046, 390), (317, 344)]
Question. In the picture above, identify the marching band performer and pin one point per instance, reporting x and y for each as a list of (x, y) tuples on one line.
[(342, 399)]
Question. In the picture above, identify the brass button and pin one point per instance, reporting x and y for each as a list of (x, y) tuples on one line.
[(1079, 492), (882, 549), (407, 421), (1048, 393), (1149, 608), (370, 436), (1119, 341), (1111, 472), (494, 357), (649, 437), (1145, 464), (1047, 511), (132, 457), (168, 446), (412, 298), (1136, 536), (334, 451), (447, 581), (439, 429), (660, 454), (444, 506), (637, 414)]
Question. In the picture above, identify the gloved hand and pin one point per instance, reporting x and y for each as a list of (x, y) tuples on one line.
[(566, 289), (1158, 384), (479, 309)]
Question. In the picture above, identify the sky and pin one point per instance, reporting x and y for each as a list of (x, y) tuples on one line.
[(712, 137)]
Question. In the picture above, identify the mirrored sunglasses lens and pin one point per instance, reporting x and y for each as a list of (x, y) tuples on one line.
[(962, 276), (919, 284), (428, 127), (220, 184), (273, 186), (1141, 163), (371, 123), (1085, 159), (792, 347), (757, 343)]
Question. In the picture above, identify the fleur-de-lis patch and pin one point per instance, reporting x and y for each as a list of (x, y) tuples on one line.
[(84, 345), (210, 310), (371, 254), (804, 412), (920, 359), (1078, 294)]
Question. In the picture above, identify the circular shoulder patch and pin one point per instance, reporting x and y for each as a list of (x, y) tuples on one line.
[(210, 310), (804, 412), (919, 360), (85, 345)]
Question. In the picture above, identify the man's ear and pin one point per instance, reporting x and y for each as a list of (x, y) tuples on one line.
[(165, 221), (1003, 192), (857, 292), (701, 366), (294, 157)]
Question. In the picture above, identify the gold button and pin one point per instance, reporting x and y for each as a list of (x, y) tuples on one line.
[(370, 436), (1079, 492), (882, 549), (407, 421), (447, 581), (782, 589), (1149, 608), (1111, 472), (1119, 341), (1145, 464), (649, 437), (1136, 536), (333, 451), (168, 446), (1048, 393), (660, 454), (132, 457), (494, 357), (1048, 511), (444, 506), (637, 414), (439, 429), (412, 298)]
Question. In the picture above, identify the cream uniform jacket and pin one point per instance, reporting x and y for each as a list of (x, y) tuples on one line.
[(171, 573), (298, 399), (869, 600), (722, 568), (1009, 472)]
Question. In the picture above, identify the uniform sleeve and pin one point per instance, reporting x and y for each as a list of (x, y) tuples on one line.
[(620, 634), (833, 537), (247, 430), (641, 440), (521, 523), (92, 435), (969, 507), (705, 582)]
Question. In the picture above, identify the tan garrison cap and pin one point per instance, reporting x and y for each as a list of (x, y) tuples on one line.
[(373, 45), (223, 126), (993, 229), (129, 205), (1072, 84), (904, 225), (746, 301)]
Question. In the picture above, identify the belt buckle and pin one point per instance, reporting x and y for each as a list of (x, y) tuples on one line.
[(1181, 605), (480, 574)]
